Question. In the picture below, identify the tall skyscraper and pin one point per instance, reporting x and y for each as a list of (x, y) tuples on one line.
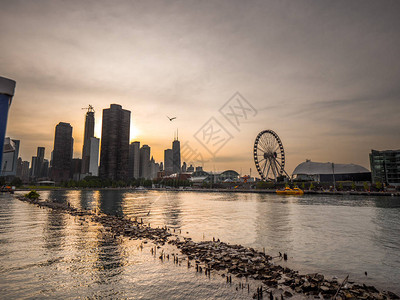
[(23, 169), (10, 157), (168, 161), (134, 160), (39, 162), (62, 153), (32, 171), (89, 133), (176, 156), (154, 168), (7, 87), (144, 169), (115, 143), (94, 144)]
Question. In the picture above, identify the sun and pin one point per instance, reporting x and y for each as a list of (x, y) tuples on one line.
[(134, 133)]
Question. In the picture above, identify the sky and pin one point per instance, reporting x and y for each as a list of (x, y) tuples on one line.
[(324, 75)]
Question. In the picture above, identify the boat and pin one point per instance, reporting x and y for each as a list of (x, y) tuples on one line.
[(289, 191)]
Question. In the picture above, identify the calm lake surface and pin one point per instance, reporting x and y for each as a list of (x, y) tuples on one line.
[(45, 254)]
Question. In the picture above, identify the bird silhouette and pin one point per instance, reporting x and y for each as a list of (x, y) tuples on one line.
[(171, 119)]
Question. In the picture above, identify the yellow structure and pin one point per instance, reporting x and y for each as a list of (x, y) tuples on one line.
[(289, 191)]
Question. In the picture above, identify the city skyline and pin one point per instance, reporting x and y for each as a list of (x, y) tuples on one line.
[(322, 76)]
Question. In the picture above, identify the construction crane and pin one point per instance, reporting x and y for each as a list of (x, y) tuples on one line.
[(90, 108)]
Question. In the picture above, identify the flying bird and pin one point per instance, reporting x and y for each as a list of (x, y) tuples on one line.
[(171, 119)]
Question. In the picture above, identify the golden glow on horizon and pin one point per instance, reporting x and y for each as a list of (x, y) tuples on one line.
[(134, 133), (97, 128)]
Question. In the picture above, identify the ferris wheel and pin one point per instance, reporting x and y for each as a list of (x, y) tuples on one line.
[(269, 155)]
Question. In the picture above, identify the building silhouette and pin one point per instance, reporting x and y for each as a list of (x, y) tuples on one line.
[(7, 88), (23, 169), (385, 166), (87, 145), (176, 156), (115, 143), (10, 157), (144, 170), (62, 152), (39, 166), (168, 161), (134, 160), (94, 144)]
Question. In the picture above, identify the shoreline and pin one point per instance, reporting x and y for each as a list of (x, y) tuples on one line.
[(206, 190), (216, 256)]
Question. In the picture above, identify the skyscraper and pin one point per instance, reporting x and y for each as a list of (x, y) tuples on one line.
[(168, 161), (89, 133), (144, 169), (134, 160), (39, 162), (10, 157), (176, 156), (62, 153), (115, 143), (7, 87), (94, 144)]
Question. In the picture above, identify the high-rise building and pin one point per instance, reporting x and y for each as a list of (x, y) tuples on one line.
[(176, 156), (190, 169), (19, 167), (385, 166), (32, 171), (134, 160), (76, 167), (144, 170), (94, 144), (45, 169), (89, 133), (39, 169), (154, 169), (7, 88), (168, 162), (62, 153), (25, 171), (184, 167), (10, 157), (115, 143)]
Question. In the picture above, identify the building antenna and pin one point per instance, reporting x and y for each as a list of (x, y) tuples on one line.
[(90, 108)]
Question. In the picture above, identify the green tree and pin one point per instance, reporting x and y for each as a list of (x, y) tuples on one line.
[(353, 186), (366, 186), (311, 186), (340, 187), (378, 185)]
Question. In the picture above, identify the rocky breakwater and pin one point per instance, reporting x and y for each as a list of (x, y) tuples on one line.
[(278, 280), (227, 260)]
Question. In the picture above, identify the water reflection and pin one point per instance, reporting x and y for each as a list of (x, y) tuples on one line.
[(171, 209), (110, 202), (273, 224), (54, 231)]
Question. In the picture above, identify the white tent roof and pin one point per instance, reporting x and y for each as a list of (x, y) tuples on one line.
[(311, 168)]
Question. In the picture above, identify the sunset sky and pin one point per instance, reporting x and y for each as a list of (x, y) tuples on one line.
[(324, 75)]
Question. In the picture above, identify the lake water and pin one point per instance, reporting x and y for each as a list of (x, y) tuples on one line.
[(49, 254)]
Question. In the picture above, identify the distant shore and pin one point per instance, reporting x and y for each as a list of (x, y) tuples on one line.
[(208, 190)]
